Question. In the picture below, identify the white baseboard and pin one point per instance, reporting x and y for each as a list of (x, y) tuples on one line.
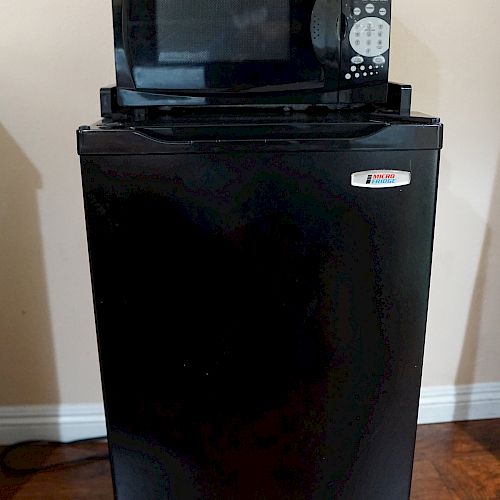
[(459, 402), (69, 422), (51, 422)]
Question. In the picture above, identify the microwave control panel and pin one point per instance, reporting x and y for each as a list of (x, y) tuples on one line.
[(365, 49)]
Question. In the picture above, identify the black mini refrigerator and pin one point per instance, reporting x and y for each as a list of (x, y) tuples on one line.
[(261, 287)]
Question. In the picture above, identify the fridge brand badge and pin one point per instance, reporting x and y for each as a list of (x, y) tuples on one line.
[(376, 179)]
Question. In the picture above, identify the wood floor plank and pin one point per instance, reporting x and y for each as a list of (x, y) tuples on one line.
[(474, 476), (427, 483), (485, 432), (90, 481), (437, 442)]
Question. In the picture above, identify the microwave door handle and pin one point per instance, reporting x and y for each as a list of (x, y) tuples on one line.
[(327, 30), (343, 26), (122, 51)]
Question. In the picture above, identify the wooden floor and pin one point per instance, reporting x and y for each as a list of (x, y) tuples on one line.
[(453, 461)]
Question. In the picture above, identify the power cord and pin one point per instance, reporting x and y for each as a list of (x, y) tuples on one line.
[(8, 450)]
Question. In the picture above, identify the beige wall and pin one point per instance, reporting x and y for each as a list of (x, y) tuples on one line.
[(445, 51), (54, 56)]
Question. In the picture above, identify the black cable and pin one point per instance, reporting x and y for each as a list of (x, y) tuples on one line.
[(8, 450)]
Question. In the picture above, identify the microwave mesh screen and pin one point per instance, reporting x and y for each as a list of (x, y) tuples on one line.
[(194, 32)]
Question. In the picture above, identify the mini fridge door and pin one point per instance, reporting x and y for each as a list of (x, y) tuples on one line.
[(261, 319)]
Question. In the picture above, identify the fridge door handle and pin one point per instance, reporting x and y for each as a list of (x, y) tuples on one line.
[(374, 136), (262, 133)]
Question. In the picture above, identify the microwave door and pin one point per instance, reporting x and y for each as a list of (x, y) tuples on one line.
[(233, 46), (326, 32)]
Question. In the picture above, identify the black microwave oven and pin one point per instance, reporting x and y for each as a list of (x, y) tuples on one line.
[(223, 52)]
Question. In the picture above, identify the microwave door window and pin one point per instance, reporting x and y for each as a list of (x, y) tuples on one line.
[(194, 32), (221, 45)]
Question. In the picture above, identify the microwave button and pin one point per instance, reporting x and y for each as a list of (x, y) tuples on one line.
[(357, 60), (348, 76), (379, 60), (357, 11), (382, 11), (356, 75), (370, 8), (353, 68)]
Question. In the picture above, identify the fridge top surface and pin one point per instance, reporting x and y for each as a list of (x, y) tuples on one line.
[(229, 131)]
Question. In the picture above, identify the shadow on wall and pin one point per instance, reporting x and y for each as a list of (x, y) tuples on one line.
[(409, 54), (27, 366), (482, 343)]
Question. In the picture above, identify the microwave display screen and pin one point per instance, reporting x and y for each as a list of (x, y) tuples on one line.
[(194, 32)]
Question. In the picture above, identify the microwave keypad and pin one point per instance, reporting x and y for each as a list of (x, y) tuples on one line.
[(370, 37), (365, 57)]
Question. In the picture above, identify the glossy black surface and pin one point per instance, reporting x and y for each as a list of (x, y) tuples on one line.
[(260, 322), (243, 71), (141, 36), (157, 65)]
